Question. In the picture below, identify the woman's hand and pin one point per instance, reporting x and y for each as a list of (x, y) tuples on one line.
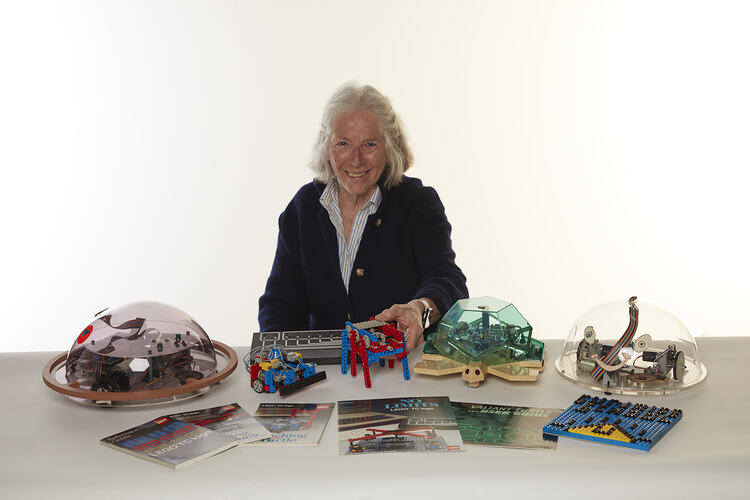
[(409, 320)]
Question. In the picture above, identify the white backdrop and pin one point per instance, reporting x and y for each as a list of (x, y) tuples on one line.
[(584, 150)]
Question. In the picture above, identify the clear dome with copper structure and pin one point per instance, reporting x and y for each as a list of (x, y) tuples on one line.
[(631, 347), (142, 352)]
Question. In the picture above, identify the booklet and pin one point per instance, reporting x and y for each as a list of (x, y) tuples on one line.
[(293, 424), (169, 442), (409, 424), (231, 420), (511, 426)]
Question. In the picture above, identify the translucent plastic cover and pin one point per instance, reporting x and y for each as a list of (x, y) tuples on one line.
[(631, 347), (138, 347), (486, 330)]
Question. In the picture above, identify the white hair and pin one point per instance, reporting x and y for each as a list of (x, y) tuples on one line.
[(355, 97)]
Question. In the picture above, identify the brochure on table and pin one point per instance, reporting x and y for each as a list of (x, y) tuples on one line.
[(509, 426), (169, 442), (293, 424), (408, 424), (231, 420)]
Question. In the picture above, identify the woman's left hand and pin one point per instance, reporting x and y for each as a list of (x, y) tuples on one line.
[(409, 320)]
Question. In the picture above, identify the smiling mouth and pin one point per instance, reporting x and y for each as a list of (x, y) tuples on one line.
[(356, 175)]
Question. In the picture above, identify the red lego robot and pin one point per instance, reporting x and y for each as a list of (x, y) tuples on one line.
[(370, 341)]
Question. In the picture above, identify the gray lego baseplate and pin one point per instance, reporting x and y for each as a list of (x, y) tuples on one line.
[(320, 346)]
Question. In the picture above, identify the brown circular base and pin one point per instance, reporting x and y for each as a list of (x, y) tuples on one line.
[(48, 375)]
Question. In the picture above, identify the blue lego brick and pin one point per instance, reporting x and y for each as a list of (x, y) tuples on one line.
[(609, 421), (344, 350)]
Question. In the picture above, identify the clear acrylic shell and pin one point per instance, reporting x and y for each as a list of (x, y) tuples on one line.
[(140, 346), (631, 347)]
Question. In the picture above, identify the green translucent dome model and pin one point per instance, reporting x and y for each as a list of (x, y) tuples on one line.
[(480, 335)]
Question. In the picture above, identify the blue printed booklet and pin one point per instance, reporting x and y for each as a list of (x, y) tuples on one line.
[(169, 442), (229, 419)]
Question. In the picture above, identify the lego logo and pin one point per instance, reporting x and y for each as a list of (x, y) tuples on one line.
[(85, 334)]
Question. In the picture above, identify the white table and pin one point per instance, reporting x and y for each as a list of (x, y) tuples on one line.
[(50, 445)]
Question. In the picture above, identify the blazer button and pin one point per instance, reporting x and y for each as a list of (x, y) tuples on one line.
[(378, 222), (360, 272)]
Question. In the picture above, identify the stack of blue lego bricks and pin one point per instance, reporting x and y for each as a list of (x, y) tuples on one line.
[(610, 421)]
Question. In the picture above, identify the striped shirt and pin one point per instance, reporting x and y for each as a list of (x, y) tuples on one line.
[(348, 250)]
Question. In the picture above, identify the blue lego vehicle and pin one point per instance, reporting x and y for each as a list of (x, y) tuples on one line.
[(284, 371)]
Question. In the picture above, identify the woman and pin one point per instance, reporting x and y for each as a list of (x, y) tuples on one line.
[(362, 239)]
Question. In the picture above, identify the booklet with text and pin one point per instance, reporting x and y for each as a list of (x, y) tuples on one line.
[(500, 425), (169, 442), (293, 424), (229, 419), (409, 424)]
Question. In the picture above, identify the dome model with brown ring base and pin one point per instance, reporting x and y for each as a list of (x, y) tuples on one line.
[(140, 353)]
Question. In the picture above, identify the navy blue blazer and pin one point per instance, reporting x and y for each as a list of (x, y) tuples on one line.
[(405, 253)]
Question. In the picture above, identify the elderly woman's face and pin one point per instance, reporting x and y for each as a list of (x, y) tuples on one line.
[(357, 153)]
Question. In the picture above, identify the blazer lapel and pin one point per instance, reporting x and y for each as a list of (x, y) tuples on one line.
[(331, 244)]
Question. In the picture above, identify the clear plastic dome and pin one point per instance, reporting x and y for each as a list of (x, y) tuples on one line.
[(631, 347), (140, 352), (140, 346)]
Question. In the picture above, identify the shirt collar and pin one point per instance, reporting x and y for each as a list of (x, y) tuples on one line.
[(330, 198)]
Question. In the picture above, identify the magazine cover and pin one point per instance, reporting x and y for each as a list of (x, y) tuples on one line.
[(411, 424), (169, 442), (511, 426), (293, 424), (231, 420)]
